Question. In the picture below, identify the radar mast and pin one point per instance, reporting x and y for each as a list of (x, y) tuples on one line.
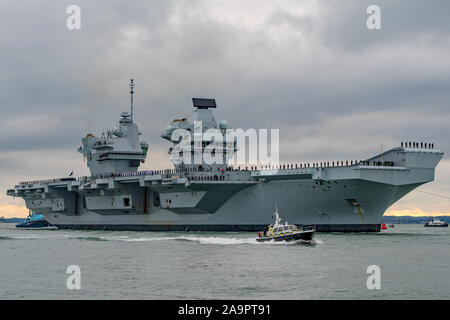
[(131, 98), (277, 215)]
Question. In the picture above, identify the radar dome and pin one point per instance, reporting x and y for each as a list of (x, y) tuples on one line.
[(223, 124), (169, 129)]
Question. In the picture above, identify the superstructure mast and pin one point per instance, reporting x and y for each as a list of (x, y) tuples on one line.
[(131, 98)]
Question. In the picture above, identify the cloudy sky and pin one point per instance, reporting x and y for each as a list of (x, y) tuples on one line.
[(334, 88)]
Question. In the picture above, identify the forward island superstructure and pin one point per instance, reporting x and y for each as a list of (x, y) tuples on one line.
[(333, 196)]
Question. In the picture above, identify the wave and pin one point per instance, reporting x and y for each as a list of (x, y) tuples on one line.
[(43, 237), (202, 240), (20, 237), (205, 240), (89, 238), (196, 239), (318, 241)]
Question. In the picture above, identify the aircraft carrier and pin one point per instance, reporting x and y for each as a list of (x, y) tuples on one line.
[(340, 196)]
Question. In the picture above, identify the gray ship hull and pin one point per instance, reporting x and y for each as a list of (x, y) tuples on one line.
[(349, 198), (301, 201), (251, 210)]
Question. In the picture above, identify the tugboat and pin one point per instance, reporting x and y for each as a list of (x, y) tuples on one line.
[(34, 220), (436, 223), (285, 232)]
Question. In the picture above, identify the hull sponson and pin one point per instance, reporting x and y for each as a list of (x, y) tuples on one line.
[(302, 202), (215, 228)]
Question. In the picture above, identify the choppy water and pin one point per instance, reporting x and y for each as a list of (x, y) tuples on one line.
[(414, 264)]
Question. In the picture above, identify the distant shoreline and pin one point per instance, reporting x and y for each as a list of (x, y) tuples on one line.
[(11, 220), (412, 220)]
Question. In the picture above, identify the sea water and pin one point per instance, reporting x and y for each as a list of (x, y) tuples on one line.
[(413, 263)]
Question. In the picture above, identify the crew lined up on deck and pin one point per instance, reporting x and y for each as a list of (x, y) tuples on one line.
[(166, 173), (200, 168), (422, 145)]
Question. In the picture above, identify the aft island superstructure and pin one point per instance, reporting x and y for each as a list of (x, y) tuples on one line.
[(333, 196)]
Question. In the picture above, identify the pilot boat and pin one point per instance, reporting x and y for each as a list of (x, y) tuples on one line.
[(436, 223), (285, 232)]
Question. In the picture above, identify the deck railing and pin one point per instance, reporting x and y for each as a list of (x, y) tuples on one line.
[(209, 172)]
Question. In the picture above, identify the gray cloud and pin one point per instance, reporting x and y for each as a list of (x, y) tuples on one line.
[(311, 68)]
